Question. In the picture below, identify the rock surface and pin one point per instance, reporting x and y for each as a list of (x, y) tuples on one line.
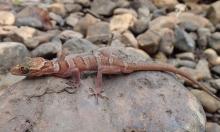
[(149, 101)]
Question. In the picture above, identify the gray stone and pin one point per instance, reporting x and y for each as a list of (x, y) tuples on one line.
[(186, 56), (193, 19), (99, 33), (142, 22), (129, 39), (84, 3), (73, 19), (103, 7), (189, 26), (140, 26), (134, 104), (149, 41), (40, 37), (33, 17), (203, 34), (84, 23), (163, 22), (68, 34), (167, 41), (214, 12), (182, 63), (215, 83), (71, 7), (46, 49), (77, 45), (143, 4), (216, 69), (209, 103), (11, 53), (212, 127), (214, 41), (183, 40), (57, 18)]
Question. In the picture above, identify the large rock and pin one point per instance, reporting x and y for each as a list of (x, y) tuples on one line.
[(11, 53), (143, 101)]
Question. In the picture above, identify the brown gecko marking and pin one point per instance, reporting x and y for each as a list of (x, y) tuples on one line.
[(101, 61)]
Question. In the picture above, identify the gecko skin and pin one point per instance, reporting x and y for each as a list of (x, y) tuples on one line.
[(102, 62)]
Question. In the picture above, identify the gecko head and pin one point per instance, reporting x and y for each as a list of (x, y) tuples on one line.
[(32, 67)]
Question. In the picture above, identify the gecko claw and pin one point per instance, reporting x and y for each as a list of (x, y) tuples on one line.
[(93, 92)]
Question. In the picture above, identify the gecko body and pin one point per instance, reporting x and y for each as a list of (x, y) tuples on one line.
[(101, 61)]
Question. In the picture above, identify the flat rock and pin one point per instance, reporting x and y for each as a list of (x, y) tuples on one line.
[(11, 53), (6, 18), (147, 101)]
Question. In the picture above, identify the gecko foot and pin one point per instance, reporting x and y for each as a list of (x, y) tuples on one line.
[(93, 92), (73, 86)]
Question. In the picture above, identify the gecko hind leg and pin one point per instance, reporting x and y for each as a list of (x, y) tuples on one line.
[(97, 92)]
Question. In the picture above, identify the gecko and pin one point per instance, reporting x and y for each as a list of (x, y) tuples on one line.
[(102, 61)]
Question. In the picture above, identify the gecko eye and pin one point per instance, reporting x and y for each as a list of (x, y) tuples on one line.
[(24, 70)]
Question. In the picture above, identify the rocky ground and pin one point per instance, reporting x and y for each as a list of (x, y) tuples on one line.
[(184, 33)]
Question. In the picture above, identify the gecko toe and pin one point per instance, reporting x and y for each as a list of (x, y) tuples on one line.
[(93, 92)]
